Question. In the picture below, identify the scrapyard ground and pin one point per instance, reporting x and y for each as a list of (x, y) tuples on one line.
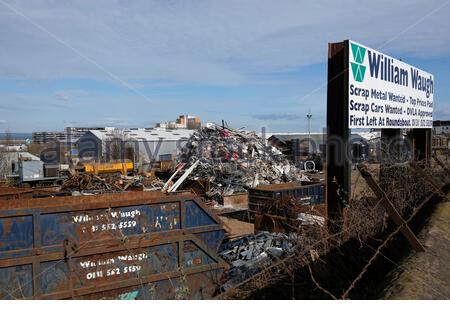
[(425, 275)]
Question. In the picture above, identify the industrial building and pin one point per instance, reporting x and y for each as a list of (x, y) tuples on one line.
[(183, 122), (75, 133), (42, 137), (441, 136), (15, 147), (440, 141), (441, 127), (146, 144), (298, 145), (9, 163), (288, 142), (71, 134)]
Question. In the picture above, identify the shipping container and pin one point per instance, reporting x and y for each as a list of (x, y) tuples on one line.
[(31, 170), (261, 197), (137, 245), (51, 170)]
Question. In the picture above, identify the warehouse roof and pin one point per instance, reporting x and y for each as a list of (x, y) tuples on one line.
[(292, 136), (144, 134), (15, 156), (320, 137)]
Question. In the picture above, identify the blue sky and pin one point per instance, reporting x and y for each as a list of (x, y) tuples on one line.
[(252, 63)]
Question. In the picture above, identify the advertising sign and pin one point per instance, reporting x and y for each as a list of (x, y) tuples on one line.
[(385, 92)]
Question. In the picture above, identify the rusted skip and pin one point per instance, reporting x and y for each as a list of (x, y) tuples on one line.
[(137, 245), (262, 197)]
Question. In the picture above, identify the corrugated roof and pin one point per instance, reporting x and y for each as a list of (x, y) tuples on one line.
[(14, 156), (321, 136), (149, 134), (301, 136)]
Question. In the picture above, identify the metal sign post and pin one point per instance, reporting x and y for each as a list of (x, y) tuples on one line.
[(338, 166), (421, 140)]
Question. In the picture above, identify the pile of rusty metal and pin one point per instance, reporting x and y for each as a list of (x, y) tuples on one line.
[(150, 184), (235, 160), (288, 215), (250, 254), (89, 182)]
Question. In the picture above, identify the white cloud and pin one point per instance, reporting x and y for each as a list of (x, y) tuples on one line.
[(63, 96), (213, 42)]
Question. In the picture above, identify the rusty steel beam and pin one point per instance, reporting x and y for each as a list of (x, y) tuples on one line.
[(338, 166), (390, 209), (105, 246), (421, 139), (103, 201)]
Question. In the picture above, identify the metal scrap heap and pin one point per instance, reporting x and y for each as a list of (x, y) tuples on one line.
[(250, 254), (85, 182), (234, 160)]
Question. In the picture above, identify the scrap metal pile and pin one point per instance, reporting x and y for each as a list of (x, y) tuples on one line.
[(89, 182), (289, 214), (84, 182), (250, 254), (233, 161)]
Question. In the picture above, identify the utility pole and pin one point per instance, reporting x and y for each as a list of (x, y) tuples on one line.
[(309, 116)]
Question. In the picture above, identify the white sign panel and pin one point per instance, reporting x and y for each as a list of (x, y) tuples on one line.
[(387, 93)]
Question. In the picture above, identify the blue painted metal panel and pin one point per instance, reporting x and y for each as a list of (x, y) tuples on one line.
[(101, 268), (194, 256), (15, 233), (196, 216), (54, 276), (115, 222), (213, 239), (16, 282)]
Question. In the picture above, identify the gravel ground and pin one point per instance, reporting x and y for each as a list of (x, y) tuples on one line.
[(426, 275)]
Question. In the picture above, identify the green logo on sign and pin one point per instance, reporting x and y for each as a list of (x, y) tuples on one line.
[(358, 69)]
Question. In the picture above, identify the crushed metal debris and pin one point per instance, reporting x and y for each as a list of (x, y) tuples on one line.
[(234, 161), (250, 254), (86, 182)]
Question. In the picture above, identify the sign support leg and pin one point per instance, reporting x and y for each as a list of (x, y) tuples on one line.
[(338, 166)]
